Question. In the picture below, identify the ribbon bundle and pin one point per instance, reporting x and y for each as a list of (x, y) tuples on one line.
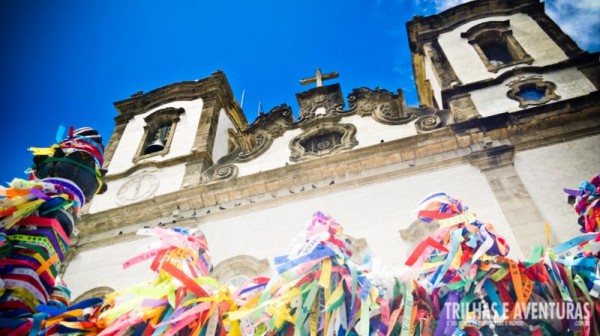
[(476, 289), (458, 281), (77, 157), (37, 218), (587, 203), (319, 290)]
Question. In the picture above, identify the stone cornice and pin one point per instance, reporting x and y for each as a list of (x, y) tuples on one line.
[(484, 142), (422, 29), (583, 60), (214, 87)]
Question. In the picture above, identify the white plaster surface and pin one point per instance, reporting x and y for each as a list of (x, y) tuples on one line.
[(169, 180), (546, 171), (469, 67), (368, 132), (103, 267), (276, 156), (570, 83), (221, 144), (182, 143), (376, 212)]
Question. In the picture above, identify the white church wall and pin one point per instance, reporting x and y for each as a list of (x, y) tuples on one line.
[(370, 132), (276, 156), (469, 67), (547, 170), (221, 144), (375, 211), (169, 180), (103, 266), (570, 83), (134, 132)]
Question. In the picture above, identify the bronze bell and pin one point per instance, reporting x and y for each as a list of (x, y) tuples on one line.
[(156, 146)]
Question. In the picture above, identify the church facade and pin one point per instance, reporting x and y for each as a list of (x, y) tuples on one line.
[(508, 115)]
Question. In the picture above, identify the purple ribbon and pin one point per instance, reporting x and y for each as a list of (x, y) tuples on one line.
[(443, 326)]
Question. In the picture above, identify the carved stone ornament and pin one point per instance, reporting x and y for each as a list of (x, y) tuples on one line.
[(275, 122), (321, 112), (252, 143), (219, 172), (327, 138), (382, 105), (329, 98), (532, 91), (137, 188), (428, 119)]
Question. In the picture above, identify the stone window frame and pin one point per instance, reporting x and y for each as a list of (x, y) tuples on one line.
[(548, 87), (239, 266), (154, 121), (97, 292), (499, 32), (348, 141)]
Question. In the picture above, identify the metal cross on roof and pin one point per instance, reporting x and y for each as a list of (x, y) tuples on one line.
[(319, 78)]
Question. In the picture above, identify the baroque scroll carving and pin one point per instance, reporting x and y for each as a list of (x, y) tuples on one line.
[(429, 119), (251, 143), (382, 105), (219, 172)]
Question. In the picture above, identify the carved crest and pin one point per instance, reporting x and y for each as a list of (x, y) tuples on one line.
[(327, 97)]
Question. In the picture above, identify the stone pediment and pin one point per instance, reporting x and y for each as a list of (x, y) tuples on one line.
[(324, 127)]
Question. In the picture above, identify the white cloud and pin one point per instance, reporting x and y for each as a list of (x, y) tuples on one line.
[(578, 19), (441, 5)]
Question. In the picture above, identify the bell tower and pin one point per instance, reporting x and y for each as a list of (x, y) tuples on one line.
[(484, 58), (494, 64), (164, 139)]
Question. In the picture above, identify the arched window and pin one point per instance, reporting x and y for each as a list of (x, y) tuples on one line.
[(496, 51), (157, 139), (235, 271), (158, 133), (496, 46), (98, 292)]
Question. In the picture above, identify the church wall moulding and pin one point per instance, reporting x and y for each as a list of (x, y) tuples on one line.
[(321, 120)]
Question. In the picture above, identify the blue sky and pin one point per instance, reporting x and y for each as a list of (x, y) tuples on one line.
[(68, 61)]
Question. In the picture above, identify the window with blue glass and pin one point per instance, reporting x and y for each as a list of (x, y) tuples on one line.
[(532, 91)]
